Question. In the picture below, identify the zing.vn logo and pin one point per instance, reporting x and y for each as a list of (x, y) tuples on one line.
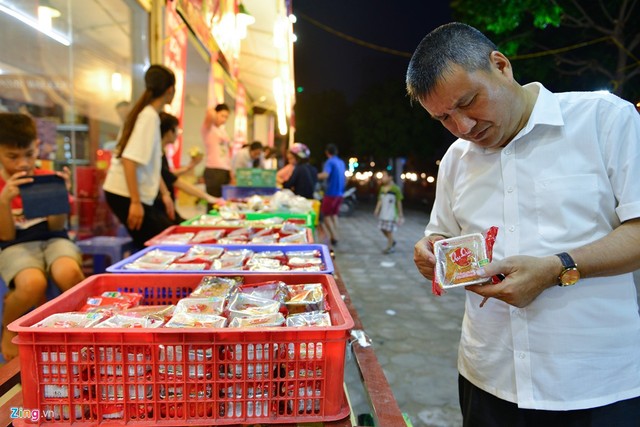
[(30, 414)]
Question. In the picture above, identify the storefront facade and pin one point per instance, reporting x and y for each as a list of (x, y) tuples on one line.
[(69, 63)]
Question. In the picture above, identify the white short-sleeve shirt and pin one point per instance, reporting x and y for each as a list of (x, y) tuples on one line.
[(144, 148), (568, 178)]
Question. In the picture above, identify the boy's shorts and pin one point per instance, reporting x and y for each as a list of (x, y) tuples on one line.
[(38, 254), (330, 205)]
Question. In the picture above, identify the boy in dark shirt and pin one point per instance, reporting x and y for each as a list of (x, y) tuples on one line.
[(30, 249)]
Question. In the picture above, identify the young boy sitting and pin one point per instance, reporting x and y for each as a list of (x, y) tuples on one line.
[(29, 248)]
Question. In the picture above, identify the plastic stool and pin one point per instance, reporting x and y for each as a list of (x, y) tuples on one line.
[(101, 246)]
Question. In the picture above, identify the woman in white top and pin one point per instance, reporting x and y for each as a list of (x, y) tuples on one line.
[(133, 179)]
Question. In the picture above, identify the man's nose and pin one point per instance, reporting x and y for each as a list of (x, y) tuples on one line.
[(464, 124)]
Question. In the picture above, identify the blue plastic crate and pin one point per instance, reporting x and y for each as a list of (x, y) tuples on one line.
[(324, 254), (234, 192)]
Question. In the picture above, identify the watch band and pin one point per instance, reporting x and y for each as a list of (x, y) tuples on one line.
[(569, 274), (566, 260)]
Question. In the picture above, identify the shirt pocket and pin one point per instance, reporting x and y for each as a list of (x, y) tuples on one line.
[(565, 207)]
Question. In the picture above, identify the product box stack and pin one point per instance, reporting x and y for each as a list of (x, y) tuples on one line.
[(192, 334)]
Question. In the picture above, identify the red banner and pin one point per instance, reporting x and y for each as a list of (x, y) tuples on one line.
[(175, 57)]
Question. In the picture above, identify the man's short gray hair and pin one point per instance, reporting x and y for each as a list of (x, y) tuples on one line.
[(450, 44)]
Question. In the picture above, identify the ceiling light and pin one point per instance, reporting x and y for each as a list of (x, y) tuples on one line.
[(25, 19)]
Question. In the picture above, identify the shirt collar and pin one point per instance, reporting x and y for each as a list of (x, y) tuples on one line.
[(546, 111)]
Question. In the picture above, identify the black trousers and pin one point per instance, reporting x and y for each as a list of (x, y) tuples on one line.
[(153, 223), (481, 409)]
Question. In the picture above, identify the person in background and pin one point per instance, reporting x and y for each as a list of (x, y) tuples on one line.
[(217, 145), (333, 172), (555, 340), (169, 131), (122, 109), (133, 179), (246, 158), (31, 249), (304, 177), (389, 209)]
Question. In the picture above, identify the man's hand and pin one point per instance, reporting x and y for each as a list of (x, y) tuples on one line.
[(526, 277), (423, 255), (11, 188)]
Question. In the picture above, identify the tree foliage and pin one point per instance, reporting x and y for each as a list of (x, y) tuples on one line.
[(567, 44), (321, 118)]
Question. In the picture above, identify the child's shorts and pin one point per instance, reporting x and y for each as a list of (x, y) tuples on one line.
[(38, 254), (387, 225)]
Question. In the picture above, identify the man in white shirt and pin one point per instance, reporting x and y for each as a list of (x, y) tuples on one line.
[(558, 174), (249, 156)]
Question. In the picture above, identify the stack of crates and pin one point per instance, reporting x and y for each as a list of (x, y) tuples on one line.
[(180, 377)]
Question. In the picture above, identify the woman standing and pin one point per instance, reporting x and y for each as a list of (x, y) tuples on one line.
[(133, 179)]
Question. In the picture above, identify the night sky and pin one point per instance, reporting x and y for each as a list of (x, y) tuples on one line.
[(326, 61)]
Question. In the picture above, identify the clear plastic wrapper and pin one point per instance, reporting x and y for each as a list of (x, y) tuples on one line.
[(193, 320), (213, 286), (208, 236), (124, 321), (265, 320), (263, 262), (309, 269), (458, 258), (208, 305), (71, 320), (274, 290), (312, 318), (177, 238), (244, 253), (202, 253), (299, 237), (161, 312), (159, 257), (290, 227), (311, 253), (267, 269), (228, 263), (117, 300), (303, 261), (268, 254), (245, 305), (305, 297), (185, 266), (265, 239)]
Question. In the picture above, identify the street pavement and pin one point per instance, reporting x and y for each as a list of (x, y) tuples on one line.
[(414, 333)]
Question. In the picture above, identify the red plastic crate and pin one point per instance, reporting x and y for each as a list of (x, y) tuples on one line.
[(176, 229), (100, 377)]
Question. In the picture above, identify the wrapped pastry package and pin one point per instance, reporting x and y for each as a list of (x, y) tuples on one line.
[(458, 259)]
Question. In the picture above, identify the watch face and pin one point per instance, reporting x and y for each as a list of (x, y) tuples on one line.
[(570, 276)]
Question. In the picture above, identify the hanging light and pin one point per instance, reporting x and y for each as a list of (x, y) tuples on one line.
[(46, 13)]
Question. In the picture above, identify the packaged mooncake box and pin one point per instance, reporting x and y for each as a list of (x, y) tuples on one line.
[(458, 258)]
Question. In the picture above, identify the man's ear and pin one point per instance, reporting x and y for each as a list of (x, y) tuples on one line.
[(501, 63), (36, 146)]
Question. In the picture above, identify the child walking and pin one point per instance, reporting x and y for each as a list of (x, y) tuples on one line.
[(389, 210)]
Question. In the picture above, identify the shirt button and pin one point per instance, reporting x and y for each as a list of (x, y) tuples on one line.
[(512, 228), (507, 151), (522, 355), (509, 189)]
